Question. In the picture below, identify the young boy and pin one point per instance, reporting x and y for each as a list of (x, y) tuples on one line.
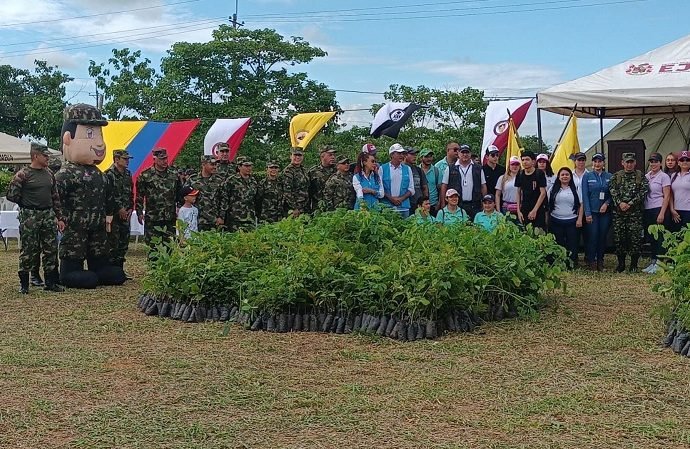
[(488, 218), (188, 213)]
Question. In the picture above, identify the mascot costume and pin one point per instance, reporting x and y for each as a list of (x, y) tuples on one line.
[(87, 202)]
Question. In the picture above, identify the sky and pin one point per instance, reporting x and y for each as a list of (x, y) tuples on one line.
[(508, 48)]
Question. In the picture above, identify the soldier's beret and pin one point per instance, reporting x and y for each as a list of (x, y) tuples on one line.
[(83, 114)]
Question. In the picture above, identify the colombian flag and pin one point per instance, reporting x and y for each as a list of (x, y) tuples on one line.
[(139, 138)]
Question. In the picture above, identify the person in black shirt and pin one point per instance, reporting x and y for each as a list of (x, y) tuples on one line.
[(492, 171), (531, 185)]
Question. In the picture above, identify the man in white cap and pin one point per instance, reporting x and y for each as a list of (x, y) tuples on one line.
[(398, 185)]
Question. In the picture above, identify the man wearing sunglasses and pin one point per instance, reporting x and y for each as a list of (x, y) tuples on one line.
[(492, 170), (452, 153), (207, 182)]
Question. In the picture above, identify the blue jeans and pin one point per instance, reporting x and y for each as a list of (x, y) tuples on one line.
[(595, 238), (566, 234), (655, 245)]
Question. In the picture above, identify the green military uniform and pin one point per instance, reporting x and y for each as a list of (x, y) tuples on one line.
[(295, 182), (225, 169), (237, 201), (157, 194), (339, 192), (270, 202), (206, 200), (35, 191), (318, 175), (631, 188), (84, 194), (121, 188)]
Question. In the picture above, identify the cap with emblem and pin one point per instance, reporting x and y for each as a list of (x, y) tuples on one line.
[(189, 191), (297, 151), (493, 149), (40, 148), (464, 148), (598, 156), (122, 154), (208, 159), (160, 153), (83, 114), (327, 149), (369, 148), (273, 164), (488, 198), (627, 157), (222, 146), (684, 155)]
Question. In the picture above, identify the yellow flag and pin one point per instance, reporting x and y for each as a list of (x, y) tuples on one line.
[(513, 148), (303, 127), (117, 135), (568, 146)]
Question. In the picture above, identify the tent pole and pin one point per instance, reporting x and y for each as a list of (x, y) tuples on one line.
[(601, 129), (541, 150)]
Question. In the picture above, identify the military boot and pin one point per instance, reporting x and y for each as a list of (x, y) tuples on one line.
[(36, 280), (52, 282), (633, 264), (23, 282), (621, 264)]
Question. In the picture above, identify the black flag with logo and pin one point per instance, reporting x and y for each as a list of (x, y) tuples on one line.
[(391, 117)]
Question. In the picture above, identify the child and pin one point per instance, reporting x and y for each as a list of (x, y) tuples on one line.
[(488, 218), (423, 212), (188, 213)]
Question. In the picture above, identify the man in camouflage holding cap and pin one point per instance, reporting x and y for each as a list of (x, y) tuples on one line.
[(208, 183), (120, 183), (33, 188), (270, 206), (238, 197), (158, 188), (339, 192), (295, 182), (319, 174), (224, 167), (628, 189), (87, 203)]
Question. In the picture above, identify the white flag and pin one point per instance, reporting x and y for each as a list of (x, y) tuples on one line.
[(496, 122), (228, 130)]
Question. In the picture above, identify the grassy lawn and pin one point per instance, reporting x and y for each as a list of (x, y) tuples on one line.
[(85, 369)]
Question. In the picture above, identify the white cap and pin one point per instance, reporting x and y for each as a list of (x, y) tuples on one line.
[(369, 148), (543, 156), (451, 192), (514, 160), (396, 148)]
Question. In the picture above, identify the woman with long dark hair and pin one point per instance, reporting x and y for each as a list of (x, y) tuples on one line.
[(565, 209), (680, 187), (366, 181)]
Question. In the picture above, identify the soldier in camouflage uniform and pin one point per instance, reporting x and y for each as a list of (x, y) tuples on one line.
[(319, 174), (158, 188), (238, 197), (87, 205), (295, 182), (207, 182), (270, 206), (339, 192), (40, 217), (628, 188), (224, 167), (121, 187)]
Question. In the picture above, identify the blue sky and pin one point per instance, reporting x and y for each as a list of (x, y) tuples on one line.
[(505, 47)]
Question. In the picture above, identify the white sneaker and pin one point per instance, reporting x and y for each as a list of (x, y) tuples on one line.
[(653, 269), (650, 267)]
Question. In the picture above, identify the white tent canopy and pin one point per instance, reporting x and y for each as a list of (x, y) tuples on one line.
[(660, 134), (16, 151), (656, 83)]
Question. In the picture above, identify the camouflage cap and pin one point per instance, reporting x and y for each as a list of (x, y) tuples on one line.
[(160, 152), (245, 161), (327, 149), (40, 148), (208, 159), (273, 164), (629, 157), (222, 146), (298, 151), (83, 114), (343, 160), (239, 160), (122, 154)]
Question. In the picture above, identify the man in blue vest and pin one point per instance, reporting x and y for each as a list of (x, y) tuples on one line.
[(468, 179), (398, 185)]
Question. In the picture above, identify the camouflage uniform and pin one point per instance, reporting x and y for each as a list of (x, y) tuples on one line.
[(338, 193), (157, 194), (84, 194), (628, 230), (37, 220), (295, 182), (237, 200), (270, 203), (121, 186), (225, 170), (318, 176), (206, 201)]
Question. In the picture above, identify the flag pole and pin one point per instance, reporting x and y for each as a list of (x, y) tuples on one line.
[(570, 117)]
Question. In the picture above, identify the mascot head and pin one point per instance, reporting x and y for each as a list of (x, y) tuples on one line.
[(82, 136)]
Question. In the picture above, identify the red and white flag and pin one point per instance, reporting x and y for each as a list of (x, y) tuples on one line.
[(229, 130), (496, 122)]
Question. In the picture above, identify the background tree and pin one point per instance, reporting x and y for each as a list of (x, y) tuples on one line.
[(45, 103), (13, 92)]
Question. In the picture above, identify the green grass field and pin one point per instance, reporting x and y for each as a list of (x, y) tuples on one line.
[(85, 369)]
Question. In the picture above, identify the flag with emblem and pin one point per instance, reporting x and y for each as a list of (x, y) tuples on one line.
[(391, 117), (567, 147), (304, 127), (496, 122), (228, 130)]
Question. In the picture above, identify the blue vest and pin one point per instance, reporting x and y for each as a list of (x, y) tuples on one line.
[(404, 185), (371, 183)]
